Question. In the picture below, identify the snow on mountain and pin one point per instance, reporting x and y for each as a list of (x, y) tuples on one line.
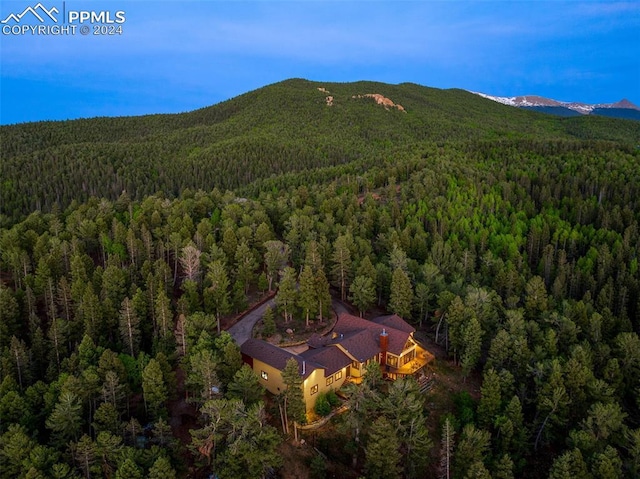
[(533, 100)]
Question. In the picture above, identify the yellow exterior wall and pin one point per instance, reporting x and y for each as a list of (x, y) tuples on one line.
[(274, 384), (317, 378)]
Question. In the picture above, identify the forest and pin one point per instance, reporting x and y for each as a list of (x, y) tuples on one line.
[(126, 243)]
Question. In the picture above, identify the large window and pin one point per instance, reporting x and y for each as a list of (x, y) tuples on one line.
[(264, 375), (314, 389), (329, 380), (338, 375), (409, 356), (355, 364)]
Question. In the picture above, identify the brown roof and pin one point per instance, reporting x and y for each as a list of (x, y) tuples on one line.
[(317, 341), (332, 358), (361, 337), (276, 357), (396, 322)]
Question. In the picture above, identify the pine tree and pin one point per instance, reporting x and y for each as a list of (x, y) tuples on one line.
[(490, 399), (401, 297), (163, 326), (84, 454), (275, 258), (245, 386), (293, 396), (287, 293), (20, 360), (503, 468), (341, 269), (268, 323), (323, 296), (129, 327), (447, 443), (472, 341), (362, 293), (129, 470), (190, 262), (219, 290), (154, 388), (383, 451), (472, 447), (245, 265), (161, 469), (307, 293), (202, 376), (66, 418)]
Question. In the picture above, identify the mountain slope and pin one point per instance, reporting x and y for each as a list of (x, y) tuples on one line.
[(285, 127), (623, 109)]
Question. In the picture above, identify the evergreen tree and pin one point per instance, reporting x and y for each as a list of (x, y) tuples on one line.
[(275, 258), (287, 293), (268, 323), (293, 396), (84, 454), (154, 388), (129, 470), (228, 356), (472, 341), (322, 294), (382, 451), (341, 269), (307, 293), (202, 377), (401, 298), (472, 448), (447, 443), (245, 264), (66, 418), (362, 293), (245, 386), (129, 327), (161, 469), (219, 290)]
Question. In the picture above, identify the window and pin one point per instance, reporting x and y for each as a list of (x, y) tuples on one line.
[(338, 375), (355, 365), (329, 380), (392, 361), (314, 389), (264, 375)]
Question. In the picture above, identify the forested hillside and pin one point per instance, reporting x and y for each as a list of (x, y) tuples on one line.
[(513, 234), (280, 128)]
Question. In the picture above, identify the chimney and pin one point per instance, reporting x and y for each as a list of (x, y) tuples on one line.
[(384, 345)]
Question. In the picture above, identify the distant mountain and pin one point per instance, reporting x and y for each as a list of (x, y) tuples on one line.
[(622, 109), (292, 127)]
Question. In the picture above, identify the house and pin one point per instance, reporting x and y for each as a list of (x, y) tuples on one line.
[(330, 360)]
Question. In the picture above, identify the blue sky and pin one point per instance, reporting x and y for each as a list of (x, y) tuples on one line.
[(178, 56)]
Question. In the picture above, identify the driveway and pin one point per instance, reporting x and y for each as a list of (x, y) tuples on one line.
[(241, 331)]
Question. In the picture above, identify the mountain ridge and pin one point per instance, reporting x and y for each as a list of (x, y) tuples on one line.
[(532, 101)]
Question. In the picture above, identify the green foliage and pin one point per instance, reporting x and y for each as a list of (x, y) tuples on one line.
[(362, 293), (268, 322), (518, 231), (383, 451), (245, 386), (293, 395), (154, 389)]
